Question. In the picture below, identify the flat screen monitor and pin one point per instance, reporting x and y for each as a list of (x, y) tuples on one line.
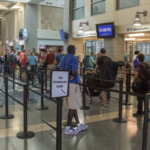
[(105, 30), (42, 47), (62, 35)]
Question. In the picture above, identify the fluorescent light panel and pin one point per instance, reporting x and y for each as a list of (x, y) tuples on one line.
[(127, 39), (138, 34)]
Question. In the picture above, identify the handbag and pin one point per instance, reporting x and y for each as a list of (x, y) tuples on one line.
[(134, 87)]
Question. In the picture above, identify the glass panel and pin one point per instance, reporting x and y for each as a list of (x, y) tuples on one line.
[(98, 8), (127, 3), (134, 47), (146, 48), (78, 3), (78, 13), (140, 47)]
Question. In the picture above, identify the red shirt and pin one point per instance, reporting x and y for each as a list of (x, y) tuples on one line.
[(42, 57), (50, 59), (21, 56), (23, 62)]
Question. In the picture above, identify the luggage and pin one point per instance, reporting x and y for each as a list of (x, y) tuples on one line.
[(108, 71)]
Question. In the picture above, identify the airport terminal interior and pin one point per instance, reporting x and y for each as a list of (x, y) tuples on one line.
[(74, 74)]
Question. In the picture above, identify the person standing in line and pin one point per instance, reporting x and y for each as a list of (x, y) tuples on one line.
[(126, 59), (24, 66), (18, 63), (58, 58), (73, 102), (50, 61), (22, 54), (135, 59), (33, 63)]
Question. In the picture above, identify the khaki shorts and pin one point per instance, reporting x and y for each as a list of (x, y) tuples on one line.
[(49, 71), (74, 99)]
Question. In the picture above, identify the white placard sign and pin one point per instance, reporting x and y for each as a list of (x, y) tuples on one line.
[(59, 83)]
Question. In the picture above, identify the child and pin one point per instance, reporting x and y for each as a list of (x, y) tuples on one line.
[(139, 88)]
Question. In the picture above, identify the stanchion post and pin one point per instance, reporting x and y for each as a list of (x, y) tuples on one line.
[(146, 121), (80, 68), (128, 84), (20, 73), (84, 107), (7, 115), (25, 134), (28, 99), (120, 119), (46, 79), (83, 71), (4, 70), (42, 98), (59, 124)]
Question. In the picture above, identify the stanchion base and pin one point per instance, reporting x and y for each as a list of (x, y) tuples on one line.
[(42, 108), (13, 90), (120, 121), (85, 108), (7, 117), (23, 135), (1, 105), (29, 99), (127, 104), (73, 124)]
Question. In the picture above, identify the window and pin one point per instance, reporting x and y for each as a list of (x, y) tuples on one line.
[(127, 3), (146, 48), (98, 7), (78, 9)]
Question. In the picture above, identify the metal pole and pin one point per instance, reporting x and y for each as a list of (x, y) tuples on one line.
[(83, 71), (25, 133), (46, 79), (80, 68), (146, 121), (59, 124), (120, 119), (28, 75), (42, 98), (84, 107), (20, 73), (7, 115)]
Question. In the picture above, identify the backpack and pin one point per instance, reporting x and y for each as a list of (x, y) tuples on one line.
[(136, 62), (10, 57), (145, 78), (86, 62), (15, 59), (108, 71)]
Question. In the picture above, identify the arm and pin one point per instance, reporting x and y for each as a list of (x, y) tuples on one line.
[(136, 75), (55, 62)]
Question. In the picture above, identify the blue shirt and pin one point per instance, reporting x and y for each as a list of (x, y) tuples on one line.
[(58, 59), (70, 63), (32, 60), (125, 58)]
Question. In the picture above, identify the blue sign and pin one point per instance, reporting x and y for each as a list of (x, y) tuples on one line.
[(105, 30), (25, 34), (62, 35)]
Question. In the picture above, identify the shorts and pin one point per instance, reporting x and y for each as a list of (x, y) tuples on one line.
[(74, 99), (24, 69), (33, 69)]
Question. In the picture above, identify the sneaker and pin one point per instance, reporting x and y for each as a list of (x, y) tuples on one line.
[(71, 131), (82, 127), (137, 115)]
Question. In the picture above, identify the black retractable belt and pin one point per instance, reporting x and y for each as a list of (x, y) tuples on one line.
[(7, 115)]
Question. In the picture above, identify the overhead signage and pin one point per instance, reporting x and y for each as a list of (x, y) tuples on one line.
[(138, 29), (87, 34), (59, 83)]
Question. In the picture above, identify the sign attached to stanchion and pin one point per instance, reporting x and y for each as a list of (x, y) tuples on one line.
[(59, 83)]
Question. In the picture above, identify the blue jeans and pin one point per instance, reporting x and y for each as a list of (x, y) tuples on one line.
[(39, 76), (108, 95)]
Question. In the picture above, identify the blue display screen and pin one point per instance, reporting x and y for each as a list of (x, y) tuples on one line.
[(105, 30), (62, 35)]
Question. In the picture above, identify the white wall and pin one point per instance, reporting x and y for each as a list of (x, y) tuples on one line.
[(120, 17)]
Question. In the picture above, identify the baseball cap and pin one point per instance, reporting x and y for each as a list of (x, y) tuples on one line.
[(103, 50), (71, 48)]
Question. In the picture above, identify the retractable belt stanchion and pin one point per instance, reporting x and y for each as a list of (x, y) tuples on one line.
[(80, 68), (25, 133), (120, 119), (42, 107), (146, 121), (20, 73), (7, 115), (13, 90), (59, 124), (84, 107), (28, 99), (128, 84)]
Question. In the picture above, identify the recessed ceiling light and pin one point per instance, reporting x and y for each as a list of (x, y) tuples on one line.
[(138, 34)]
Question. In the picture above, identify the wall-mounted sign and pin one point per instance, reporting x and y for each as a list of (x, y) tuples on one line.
[(132, 29), (23, 34), (87, 34), (59, 83)]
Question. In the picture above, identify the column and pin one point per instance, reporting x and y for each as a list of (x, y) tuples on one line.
[(31, 24)]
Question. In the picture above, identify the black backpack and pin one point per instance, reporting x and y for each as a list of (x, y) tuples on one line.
[(145, 77), (108, 71)]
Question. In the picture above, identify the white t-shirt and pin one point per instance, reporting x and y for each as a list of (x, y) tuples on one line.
[(134, 57)]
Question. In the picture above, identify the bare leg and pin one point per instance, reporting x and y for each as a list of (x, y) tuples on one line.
[(70, 117), (104, 99), (75, 114)]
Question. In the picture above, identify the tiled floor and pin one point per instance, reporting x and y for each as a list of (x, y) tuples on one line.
[(102, 134)]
